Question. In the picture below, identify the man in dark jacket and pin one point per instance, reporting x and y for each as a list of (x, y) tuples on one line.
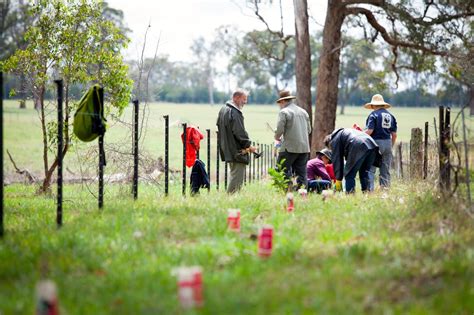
[(235, 144), (359, 151)]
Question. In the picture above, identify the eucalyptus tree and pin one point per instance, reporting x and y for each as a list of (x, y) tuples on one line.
[(72, 41), (424, 27)]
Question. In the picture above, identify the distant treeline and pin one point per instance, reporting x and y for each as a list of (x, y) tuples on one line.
[(449, 96)]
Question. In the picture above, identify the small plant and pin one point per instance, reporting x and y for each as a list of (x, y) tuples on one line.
[(280, 182)]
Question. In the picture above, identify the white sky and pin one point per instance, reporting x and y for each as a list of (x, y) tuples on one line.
[(181, 21)]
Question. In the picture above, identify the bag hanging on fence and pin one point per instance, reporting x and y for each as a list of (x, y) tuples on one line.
[(89, 120)]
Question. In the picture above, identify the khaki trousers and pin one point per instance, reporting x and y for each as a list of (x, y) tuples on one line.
[(237, 172)]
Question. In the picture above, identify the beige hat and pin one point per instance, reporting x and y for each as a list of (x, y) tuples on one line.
[(377, 102), (285, 95)]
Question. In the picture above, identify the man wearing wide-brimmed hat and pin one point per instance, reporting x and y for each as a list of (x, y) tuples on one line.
[(381, 125), (293, 129)]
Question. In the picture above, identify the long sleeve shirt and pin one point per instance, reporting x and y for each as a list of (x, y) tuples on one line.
[(316, 168), (294, 125)]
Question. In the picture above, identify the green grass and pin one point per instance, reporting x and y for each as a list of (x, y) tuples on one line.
[(403, 252), (23, 134)]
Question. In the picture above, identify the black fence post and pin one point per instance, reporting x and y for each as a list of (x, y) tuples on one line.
[(101, 159), (1, 152), (135, 149), (447, 137), (197, 151), (225, 175), (250, 169), (425, 153), (167, 138), (59, 209), (208, 132), (184, 158), (217, 159), (442, 160), (252, 157)]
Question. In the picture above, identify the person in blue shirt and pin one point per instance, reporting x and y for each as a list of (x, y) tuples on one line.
[(381, 125)]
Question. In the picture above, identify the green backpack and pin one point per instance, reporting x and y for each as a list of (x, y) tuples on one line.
[(89, 120)]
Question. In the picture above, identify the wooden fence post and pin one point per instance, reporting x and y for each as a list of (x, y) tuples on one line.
[(416, 153), (400, 159)]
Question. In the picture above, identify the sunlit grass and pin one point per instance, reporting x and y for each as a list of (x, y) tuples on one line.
[(403, 251)]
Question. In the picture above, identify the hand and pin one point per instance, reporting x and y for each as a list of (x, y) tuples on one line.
[(338, 185)]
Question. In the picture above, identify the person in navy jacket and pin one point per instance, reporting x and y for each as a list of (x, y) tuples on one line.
[(381, 125)]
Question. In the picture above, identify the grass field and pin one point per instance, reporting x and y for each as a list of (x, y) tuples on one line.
[(406, 252), (23, 135)]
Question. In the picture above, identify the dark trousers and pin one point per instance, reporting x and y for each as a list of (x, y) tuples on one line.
[(295, 163), (362, 166)]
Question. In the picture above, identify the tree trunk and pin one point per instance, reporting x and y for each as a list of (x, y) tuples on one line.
[(303, 57), (328, 75)]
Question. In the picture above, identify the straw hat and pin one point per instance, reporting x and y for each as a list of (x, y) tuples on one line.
[(377, 102), (285, 95), (326, 152)]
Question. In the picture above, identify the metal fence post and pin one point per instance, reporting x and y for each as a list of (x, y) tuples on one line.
[(184, 158), (252, 157), (135, 149), (225, 175), (208, 132), (167, 136), (425, 153), (447, 137), (59, 209), (101, 158), (217, 159)]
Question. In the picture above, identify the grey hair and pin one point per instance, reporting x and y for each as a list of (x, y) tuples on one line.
[(239, 92)]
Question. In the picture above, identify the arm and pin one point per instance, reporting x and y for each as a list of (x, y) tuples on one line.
[(280, 125), (370, 124), (394, 138)]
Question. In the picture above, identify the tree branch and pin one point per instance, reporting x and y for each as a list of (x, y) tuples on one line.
[(386, 36), (31, 178), (372, 2), (283, 39)]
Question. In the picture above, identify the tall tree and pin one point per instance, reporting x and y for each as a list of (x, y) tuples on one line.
[(422, 26), (303, 56), (72, 41)]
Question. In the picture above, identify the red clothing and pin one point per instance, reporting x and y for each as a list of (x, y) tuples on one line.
[(193, 137), (330, 170)]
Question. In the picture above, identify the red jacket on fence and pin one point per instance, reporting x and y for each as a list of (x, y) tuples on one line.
[(193, 137)]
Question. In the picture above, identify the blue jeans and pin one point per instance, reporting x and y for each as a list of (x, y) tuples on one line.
[(362, 166), (385, 147), (318, 185)]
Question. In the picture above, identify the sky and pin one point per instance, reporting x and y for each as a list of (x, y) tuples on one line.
[(176, 23)]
